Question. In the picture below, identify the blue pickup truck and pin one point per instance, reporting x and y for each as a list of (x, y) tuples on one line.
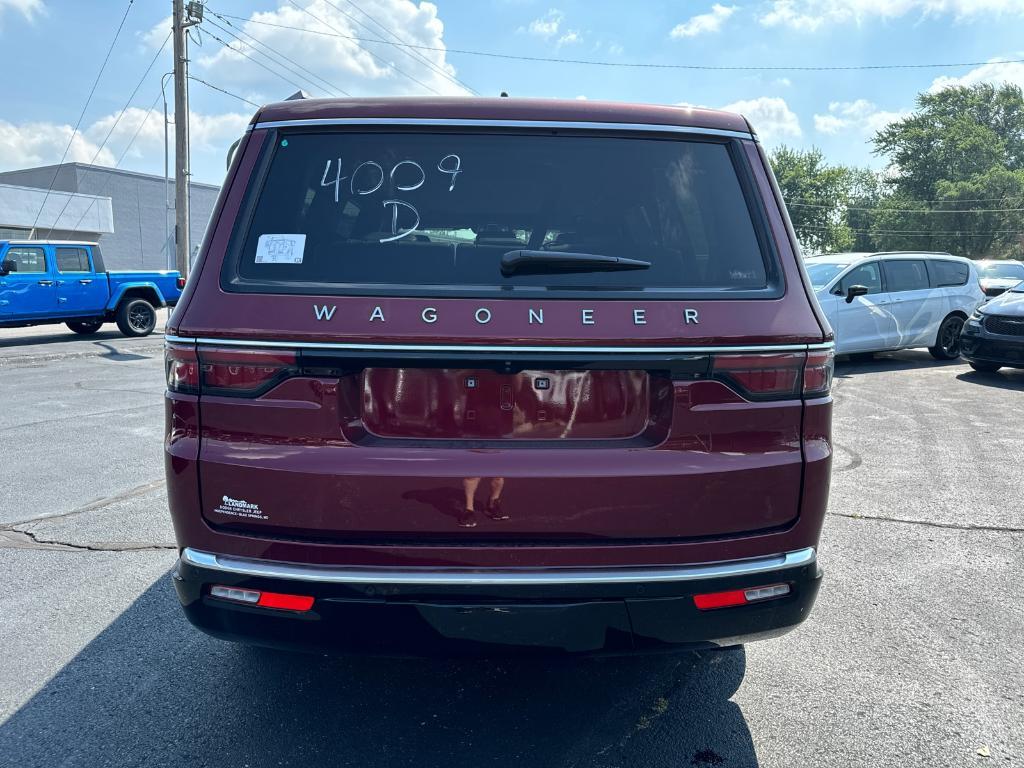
[(57, 281)]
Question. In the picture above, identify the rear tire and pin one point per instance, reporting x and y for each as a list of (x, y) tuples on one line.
[(136, 317), (981, 367), (947, 342), (84, 327)]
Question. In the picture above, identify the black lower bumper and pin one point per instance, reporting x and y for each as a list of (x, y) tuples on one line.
[(982, 347), (545, 616)]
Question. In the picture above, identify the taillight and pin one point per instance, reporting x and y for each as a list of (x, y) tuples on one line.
[(233, 372), (818, 372), (181, 365), (777, 375), (181, 283)]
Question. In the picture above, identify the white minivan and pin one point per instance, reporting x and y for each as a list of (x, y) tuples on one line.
[(896, 300)]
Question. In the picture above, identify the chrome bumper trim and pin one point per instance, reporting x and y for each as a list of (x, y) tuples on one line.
[(550, 576)]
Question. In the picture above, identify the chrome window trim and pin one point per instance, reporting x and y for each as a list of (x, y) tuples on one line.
[(484, 577), (754, 348), (470, 123)]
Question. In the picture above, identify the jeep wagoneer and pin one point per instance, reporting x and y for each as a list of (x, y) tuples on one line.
[(478, 374)]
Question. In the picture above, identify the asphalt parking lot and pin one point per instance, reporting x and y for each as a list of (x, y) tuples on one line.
[(911, 658)]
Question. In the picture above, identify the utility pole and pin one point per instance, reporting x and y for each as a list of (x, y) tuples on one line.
[(182, 17)]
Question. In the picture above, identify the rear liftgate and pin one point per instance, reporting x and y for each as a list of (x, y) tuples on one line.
[(341, 444)]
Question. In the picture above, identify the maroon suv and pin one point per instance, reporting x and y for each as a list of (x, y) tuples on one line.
[(483, 373)]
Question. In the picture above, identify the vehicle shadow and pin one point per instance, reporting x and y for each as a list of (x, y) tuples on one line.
[(1005, 378), (113, 353), (62, 336), (151, 690), (907, 359)]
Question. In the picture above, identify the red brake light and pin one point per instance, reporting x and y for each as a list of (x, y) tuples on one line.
[(777, 376), (236, 372), (181, 283)]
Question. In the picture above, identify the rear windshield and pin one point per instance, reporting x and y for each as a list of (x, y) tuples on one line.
[(1002, 270), (436, 212)]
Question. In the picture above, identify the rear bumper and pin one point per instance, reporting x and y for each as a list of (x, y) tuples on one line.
[(492, 611)]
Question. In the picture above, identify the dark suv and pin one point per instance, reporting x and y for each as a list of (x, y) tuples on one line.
[(472, 374)]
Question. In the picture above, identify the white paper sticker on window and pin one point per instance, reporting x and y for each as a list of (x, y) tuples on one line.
[(280, 249)]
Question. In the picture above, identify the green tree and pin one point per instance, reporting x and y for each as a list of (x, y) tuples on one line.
[(955, 164), (818, 195)]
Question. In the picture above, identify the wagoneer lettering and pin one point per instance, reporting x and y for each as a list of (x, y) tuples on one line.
[(585, 381), (534, 315)]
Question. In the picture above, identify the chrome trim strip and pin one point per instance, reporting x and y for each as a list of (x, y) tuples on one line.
[(464, 123), (555, 576), (511, 350)]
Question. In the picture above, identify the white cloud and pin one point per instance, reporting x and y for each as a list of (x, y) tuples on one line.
[(28, 144), (829, 124), (861, 115), (993, 72), (570, 37), (344, 63), (154, 37), (547, 25), (705, 23), (206, 131), (39, 143), (29, 9), (810, 15), (771, 117)]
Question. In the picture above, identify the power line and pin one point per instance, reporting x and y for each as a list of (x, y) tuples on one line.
[(386, 64), (228, 93), (113, 126), (124, 153), (81, 116), (903, 210), (643, 65), (283, 56), (309, 77), (254, 61), (411, 52), (954, 233)]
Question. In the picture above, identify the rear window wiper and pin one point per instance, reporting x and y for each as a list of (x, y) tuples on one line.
[(557, 261)]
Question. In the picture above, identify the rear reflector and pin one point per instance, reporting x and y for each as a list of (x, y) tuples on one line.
[(263, 599), (712, 600)]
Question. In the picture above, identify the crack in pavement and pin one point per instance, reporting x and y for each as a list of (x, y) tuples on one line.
[(930, 523), (17, 539)]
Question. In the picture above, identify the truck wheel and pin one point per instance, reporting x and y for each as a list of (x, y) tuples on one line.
[(947, 342), (136, 317), (85, 327)]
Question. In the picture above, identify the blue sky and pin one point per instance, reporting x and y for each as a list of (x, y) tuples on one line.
[(52, 49)]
